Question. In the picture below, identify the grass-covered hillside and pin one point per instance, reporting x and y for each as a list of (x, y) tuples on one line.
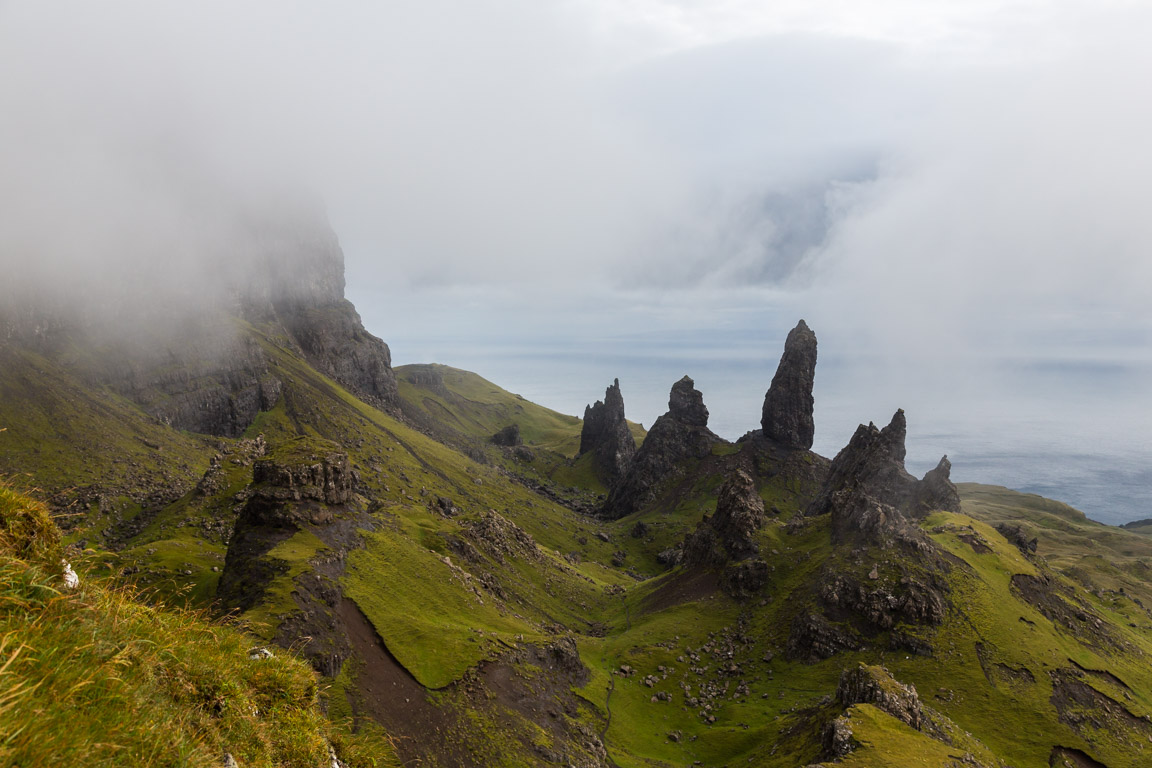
[(92, 676), (463, 597)]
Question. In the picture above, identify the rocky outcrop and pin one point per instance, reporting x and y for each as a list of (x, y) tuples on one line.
[(812, 638), (334, 341), (788, 405), (299, 486), (509, 437), (729, 534), (605, 433), (870, 494), (680, 434), (865, 684)]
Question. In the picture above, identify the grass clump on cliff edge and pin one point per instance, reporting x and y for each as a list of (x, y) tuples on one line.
[(92, 677)]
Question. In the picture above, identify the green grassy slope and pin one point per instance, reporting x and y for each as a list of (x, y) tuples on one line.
[(460, 564), (91, 676), (1101, 557)]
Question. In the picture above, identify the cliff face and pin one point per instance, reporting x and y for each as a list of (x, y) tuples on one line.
[(196, 366), (605, 433)]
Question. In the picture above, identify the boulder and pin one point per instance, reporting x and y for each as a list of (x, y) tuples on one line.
[(508, 437)]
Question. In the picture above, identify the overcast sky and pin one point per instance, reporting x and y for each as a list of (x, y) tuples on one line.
[(940, 186)]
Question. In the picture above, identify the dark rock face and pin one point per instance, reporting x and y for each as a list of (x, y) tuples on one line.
[(876, 686), (787, 416), (686, 404), (729, 533), (870, 494), (1016, 535), (288, 495), (680, 434), (813, 637), (508, 437), (606, 433), (212, 382), (334, 341), (882, 606), (744, 579)]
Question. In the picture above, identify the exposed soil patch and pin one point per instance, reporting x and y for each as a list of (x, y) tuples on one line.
[(1086, 709), (1066, 757), (1057, 603), (389, 694), (682, 588), (998, 673)]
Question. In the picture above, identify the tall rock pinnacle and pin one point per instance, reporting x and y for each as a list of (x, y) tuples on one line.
[(787, 416), (606, 434)]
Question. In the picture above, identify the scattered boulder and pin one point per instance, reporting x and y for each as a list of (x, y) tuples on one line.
[(788, 405), (681, 433), (605, 433), (508, 437)]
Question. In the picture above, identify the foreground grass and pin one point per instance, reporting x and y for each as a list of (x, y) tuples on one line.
[(93, 677)]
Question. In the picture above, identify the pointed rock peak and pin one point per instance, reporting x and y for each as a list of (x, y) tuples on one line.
[(936, 490), (788, 405), (605, 432), (686, 404), (895, 434)]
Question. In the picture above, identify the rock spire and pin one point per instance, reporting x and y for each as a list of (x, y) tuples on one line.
[(787, 416), (606, 434), (682, 433)]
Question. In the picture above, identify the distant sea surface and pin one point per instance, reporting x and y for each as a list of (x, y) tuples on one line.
[(1075, 432)]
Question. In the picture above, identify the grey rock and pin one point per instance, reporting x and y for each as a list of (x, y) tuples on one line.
[(729, 534), (605, 433), (788, 405), (680, 434)]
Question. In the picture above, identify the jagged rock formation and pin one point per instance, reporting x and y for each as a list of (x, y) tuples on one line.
[(865, 684), (788, 405), (681, 433), (869, 492), (729, 534), (606, 433)]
